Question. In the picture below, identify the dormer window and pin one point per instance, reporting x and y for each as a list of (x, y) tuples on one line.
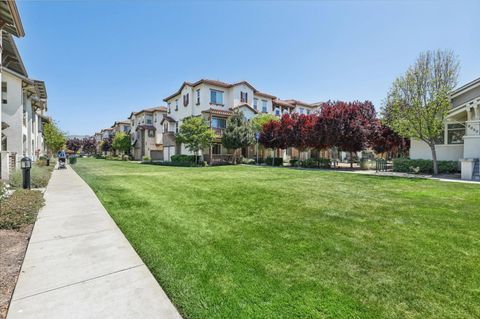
[(243, 97)]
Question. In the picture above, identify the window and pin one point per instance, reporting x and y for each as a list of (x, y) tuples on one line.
[(148, 119), (255, 104), (264, 106), (455, 133), (151, 133), (243, 97), (217, 149), (176, 127), (176, 105), (198, 96), (185, 99), (308, 112), (277, 111), (302, 110), (216, 97), (165, 127), (218, 123), (4, 92)]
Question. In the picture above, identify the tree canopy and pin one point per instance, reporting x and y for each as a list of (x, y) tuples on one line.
[(418, 101), (238, 132), (195, 134), (121, 142), (54, 138)]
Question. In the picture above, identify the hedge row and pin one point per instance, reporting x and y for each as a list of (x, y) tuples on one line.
[(312, 163), (406, 165)]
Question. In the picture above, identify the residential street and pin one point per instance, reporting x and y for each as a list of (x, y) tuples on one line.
[(79, 265)]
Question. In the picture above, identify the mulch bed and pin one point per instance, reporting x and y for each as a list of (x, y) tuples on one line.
[(13, 245)]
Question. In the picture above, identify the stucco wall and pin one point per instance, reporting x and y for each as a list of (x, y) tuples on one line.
[(471, 147), (12, 113), (445, 152)]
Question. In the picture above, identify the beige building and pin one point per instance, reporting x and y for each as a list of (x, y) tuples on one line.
[(215, 101), (461, 137), (146, 133), (24, 101)]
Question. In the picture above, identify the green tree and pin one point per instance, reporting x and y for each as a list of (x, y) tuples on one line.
[(238, 133), (195, 134), (418, 101), (54, 138), (121, 142), (259, 120)]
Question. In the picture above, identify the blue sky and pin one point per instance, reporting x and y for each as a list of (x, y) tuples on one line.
[(103, 59)]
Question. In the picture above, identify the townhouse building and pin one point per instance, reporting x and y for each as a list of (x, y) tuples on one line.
[(215, 101), (146, 133), (23, 100), (121, 126), (460, 140)]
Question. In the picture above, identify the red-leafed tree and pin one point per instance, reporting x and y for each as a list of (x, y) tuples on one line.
[(356, 126), (346, 125), (74, 144), (384, 140), (297, 130), (271, 136), (89, 145)]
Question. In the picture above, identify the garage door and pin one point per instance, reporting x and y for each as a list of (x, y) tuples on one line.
[(156, 155)]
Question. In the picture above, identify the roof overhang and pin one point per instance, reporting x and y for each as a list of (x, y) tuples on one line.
[(464, 88), (11, 58), (10, 18), (41, 89)]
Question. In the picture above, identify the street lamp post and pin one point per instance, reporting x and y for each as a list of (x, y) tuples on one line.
[(26, 165)]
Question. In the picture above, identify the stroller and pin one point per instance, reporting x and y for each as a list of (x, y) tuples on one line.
[(62, 160)]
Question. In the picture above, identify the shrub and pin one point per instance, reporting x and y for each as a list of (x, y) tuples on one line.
[(125, 157), (41, 162), (39, 177), (3, 190), (146, 158), (406, 165), (316, 163), (72, 160), (99, 156), (184, 158), (277, 161), (20, 208), (294, 162)]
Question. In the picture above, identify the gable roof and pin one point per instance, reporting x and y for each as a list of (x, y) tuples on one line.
[(10, 16), (295, 102), (216, 83), (149, 110), (11, 58), (244, 105)]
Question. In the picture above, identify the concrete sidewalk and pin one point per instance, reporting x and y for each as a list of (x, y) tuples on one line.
[(79, 265)]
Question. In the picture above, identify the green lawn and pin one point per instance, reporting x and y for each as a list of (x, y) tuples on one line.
[(257, 242)]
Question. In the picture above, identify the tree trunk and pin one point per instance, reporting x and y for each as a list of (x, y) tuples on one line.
[(351, 160), (434, 158)]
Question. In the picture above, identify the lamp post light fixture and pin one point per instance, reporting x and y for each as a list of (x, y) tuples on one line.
[(26, 165)]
